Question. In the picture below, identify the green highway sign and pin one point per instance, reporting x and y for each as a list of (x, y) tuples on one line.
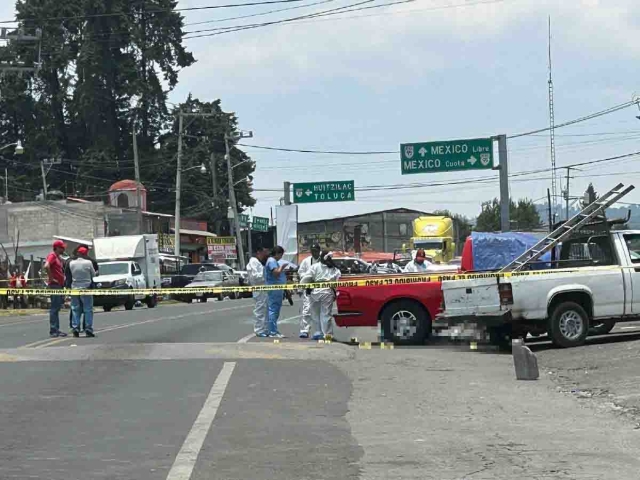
[(260, 224), (323, 192), (447, 156), (244, 220)]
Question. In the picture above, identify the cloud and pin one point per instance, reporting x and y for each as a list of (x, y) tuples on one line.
[(379, 48)]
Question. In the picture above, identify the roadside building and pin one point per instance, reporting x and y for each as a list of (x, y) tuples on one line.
[(380, 231)]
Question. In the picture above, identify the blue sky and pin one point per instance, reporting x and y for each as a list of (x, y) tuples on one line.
[(424, 71)]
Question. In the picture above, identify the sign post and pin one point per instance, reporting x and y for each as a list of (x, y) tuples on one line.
[(260, 224), (447, 156), (320, 192), (460, 155)]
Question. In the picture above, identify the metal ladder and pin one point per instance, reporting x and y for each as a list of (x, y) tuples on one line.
[(566, 229)]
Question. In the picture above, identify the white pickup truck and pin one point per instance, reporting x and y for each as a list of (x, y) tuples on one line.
[(597, 285)]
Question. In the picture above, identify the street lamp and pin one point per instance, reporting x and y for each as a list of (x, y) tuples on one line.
[(202, 167), (19, 148)]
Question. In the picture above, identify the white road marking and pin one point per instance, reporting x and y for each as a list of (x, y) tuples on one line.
[(186, 460), (247, 338), (53, 341), (630, 328)]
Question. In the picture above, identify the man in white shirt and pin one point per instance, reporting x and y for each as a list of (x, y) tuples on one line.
[(255, 276), (305, 267), (82, 273), (418, 264)]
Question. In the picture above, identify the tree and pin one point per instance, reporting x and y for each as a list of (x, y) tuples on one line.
[(524, 216), (105, 63), (202, 138)]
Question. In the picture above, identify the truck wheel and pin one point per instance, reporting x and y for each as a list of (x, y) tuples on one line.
[(405, 322), (602, 328), (129, 304), (152, 301), (107, 308), (568, 325)]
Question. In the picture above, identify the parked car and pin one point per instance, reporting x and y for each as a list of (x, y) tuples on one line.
[(211, 278), (189, 272)]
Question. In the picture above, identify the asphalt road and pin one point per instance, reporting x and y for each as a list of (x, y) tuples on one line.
[(184, 392)]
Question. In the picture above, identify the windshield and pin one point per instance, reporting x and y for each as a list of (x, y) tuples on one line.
[(208, 277), (120, 268), (428, 244)]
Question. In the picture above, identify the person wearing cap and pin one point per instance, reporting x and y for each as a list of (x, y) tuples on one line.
[(82, 273), (55, 281), (418, 264), (68, 280), (305, 266)]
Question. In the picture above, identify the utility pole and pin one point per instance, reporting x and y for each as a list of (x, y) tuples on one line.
[(232, 193), (214, 185), (249, 240), (181, 115), (176, 226), (505, 223), (137, 174), (287, 193), (566, 194), (44, 181)]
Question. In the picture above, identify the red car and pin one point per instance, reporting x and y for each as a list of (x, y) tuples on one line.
[(404, 312), (399, 313)]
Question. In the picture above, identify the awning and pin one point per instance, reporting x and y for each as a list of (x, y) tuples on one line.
[(200, 233)]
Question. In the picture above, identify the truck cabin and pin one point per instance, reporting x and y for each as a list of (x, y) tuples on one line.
[(590, 245)]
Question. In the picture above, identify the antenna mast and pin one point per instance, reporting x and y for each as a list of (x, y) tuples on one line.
[(552, 137)]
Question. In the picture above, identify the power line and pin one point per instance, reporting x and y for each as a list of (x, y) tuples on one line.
[(333, 11), (219, 20), (160, 10), (607, 111), (600, 113)]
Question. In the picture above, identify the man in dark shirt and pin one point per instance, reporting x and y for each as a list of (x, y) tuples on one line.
[(55, 276)]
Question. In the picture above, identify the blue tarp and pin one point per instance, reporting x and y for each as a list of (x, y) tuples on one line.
[(492, 251)]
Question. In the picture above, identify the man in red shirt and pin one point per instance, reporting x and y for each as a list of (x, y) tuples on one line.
[(55, 275)]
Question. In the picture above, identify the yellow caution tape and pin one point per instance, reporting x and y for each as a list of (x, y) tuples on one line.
[(372, 281)]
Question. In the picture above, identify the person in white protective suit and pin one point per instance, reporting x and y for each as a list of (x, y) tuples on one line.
[(418, 264), (255, 274), (305, 314), (321, 299)]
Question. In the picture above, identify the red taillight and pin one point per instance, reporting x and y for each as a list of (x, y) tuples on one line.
[(506, 294)]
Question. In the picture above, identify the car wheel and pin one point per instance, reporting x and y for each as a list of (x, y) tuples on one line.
[(152, 301), (602, 328), (202, 299), (569, 325), (107, 308), (220, 297), (405, 322)]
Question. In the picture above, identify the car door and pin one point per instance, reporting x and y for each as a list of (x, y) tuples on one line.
[(631, 248), (138, 277)]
